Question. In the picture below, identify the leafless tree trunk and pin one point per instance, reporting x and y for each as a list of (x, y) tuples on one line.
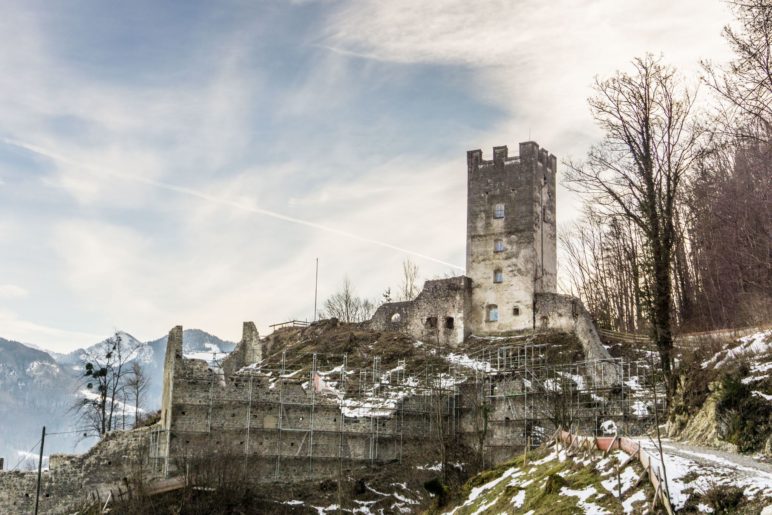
[(137, 384), (409, 288), (636, 171), (346, 306)]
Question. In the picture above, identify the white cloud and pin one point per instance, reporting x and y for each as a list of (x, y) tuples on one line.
[(12, 291), (25, 331)]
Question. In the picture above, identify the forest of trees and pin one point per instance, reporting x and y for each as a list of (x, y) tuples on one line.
[(676, 228)]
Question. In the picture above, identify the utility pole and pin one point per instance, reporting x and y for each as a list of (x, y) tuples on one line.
[(40, 468), (316, 286)]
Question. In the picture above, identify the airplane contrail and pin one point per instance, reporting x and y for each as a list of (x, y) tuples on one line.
[(219, 200)]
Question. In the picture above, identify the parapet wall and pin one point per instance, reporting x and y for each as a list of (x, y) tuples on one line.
[(437, 314)]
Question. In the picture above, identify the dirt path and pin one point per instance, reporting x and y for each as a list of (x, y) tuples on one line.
[(694, 469)]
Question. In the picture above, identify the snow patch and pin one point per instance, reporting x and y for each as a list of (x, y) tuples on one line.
[(465, 361), (754, 344), (627, 504), (519, 499), (584, 494)]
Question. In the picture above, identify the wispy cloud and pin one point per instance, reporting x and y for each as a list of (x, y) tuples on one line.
[(196, 183), (183, 190)]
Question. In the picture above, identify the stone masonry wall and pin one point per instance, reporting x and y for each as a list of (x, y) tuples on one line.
[(71, 480), (524, 187), (274, 428), (269, 429), (567, 314), (437, 314)]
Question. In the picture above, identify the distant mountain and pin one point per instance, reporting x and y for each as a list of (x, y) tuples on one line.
[(77, 356), (38, 388), (34, 391), (196, 341)]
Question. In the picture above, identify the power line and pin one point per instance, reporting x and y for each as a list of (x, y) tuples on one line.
[(69, 433)]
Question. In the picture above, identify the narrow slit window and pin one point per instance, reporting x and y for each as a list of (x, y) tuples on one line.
[(516, 311), (449, 323), (498, 246), (498, 276), (493, 313), (498, 211)]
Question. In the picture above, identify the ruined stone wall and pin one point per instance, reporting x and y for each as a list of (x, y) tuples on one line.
[(276, 428), (438, 314), (275, 424), (262, 428), (247, 351), (565, 313), (525, 187), (71, 480)]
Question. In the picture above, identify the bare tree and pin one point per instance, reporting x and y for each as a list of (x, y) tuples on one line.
[(728, 196), (137, 384), (409, 288), (636, 171), (604, 269), (346, 306), (745, 85), (731, 235), (386, 296), (104, 380)]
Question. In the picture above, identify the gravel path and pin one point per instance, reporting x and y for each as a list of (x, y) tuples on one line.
[(709, 455)]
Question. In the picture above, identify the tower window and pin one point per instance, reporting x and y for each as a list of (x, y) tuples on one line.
[(492, 313), (431, 322), (498, 211), (498, 246), (396, 318), (516, 311), (449, 323), (498, 276)]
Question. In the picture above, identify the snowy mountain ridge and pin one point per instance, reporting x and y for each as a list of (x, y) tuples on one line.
[(39, 387)]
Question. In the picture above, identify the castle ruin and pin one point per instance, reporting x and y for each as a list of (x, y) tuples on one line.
[(510, 285), (486, 341)]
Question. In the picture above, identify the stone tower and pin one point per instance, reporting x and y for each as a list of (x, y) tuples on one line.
[(511, 252)]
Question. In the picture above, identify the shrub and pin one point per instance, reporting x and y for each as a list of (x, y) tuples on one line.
[(746, 420), (436, 487), (554, 484), (724, 498)]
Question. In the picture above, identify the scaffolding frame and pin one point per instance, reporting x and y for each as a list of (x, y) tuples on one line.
[(522, 380)]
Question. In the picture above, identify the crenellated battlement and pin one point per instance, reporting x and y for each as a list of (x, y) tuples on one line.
[(529, 150)]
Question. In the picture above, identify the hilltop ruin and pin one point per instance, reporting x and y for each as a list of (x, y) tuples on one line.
[(476, 368)]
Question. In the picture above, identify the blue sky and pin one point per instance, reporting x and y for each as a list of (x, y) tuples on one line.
[(186, 162)]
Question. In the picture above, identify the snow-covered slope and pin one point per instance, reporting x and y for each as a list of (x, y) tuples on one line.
[(550, 481)]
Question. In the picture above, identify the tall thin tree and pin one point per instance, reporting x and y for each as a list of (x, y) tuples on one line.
[(636, 171)]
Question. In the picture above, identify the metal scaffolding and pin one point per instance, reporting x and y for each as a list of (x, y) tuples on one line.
[(530, 396)]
